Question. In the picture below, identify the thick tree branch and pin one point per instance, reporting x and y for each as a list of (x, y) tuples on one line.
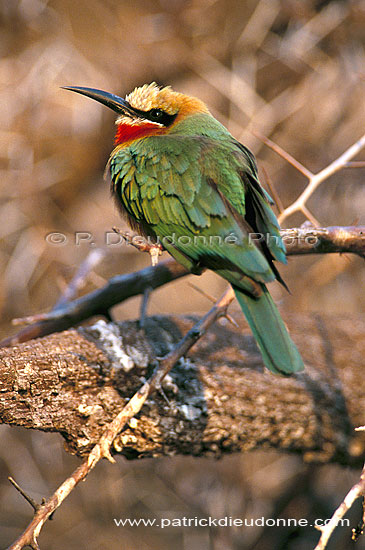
[(219, 400)]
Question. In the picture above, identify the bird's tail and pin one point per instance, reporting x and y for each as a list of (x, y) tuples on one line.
[(279, 352)]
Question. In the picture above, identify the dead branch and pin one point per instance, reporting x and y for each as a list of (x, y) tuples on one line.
[(110, 342), (140, 243), (324, 240), (302, 240), (219, 400), (99, 302), (102, 448), (314, 180), (357, 491)]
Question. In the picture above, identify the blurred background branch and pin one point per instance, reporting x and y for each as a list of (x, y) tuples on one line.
[(290, 69)]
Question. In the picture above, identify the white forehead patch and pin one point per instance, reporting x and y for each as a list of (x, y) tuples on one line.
[(151, 96)]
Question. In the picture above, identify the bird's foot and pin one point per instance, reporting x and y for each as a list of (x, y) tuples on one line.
[(155, 252), (143, 313)]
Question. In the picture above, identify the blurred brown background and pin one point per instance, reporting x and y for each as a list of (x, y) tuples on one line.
[(292, 69)]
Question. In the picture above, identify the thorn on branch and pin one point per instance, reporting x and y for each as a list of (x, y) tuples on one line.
[(25, 495), (213, 300), (359, 529)]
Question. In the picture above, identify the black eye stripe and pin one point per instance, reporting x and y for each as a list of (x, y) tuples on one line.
[(154, 115), (160, 116)]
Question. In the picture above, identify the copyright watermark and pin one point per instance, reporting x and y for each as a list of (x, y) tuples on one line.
[(113, 239), (227, 521), (56, 238)]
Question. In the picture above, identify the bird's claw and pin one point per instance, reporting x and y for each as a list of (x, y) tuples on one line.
[(155, 252)]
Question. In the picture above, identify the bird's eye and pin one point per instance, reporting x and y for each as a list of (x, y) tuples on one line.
[(156, 115), (160, 116)]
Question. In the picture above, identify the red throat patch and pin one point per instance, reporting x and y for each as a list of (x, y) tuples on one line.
[(130, 132)]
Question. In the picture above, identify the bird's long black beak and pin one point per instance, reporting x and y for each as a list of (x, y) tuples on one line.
[(114, 102)]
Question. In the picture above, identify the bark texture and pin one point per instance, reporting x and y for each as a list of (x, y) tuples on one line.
[(219, 399)]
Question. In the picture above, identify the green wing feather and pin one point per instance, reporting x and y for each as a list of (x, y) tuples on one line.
[(189, 198), (201, 196)]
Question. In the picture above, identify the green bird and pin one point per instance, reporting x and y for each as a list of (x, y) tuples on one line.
[(181, 179)]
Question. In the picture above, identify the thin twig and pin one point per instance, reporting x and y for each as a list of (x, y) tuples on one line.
[(143, 245), (284, 154), (316, 179), (143, 311), (355, 164), (355, 492), (99, 301), (77, 282), (298, 241), (343, 161), (25, 495), (213, 300), (102, 448), (310, 216)]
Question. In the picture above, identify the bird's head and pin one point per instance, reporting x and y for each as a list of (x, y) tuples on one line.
[(148, 110)]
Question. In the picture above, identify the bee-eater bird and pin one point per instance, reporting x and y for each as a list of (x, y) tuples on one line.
[(180, 178)]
